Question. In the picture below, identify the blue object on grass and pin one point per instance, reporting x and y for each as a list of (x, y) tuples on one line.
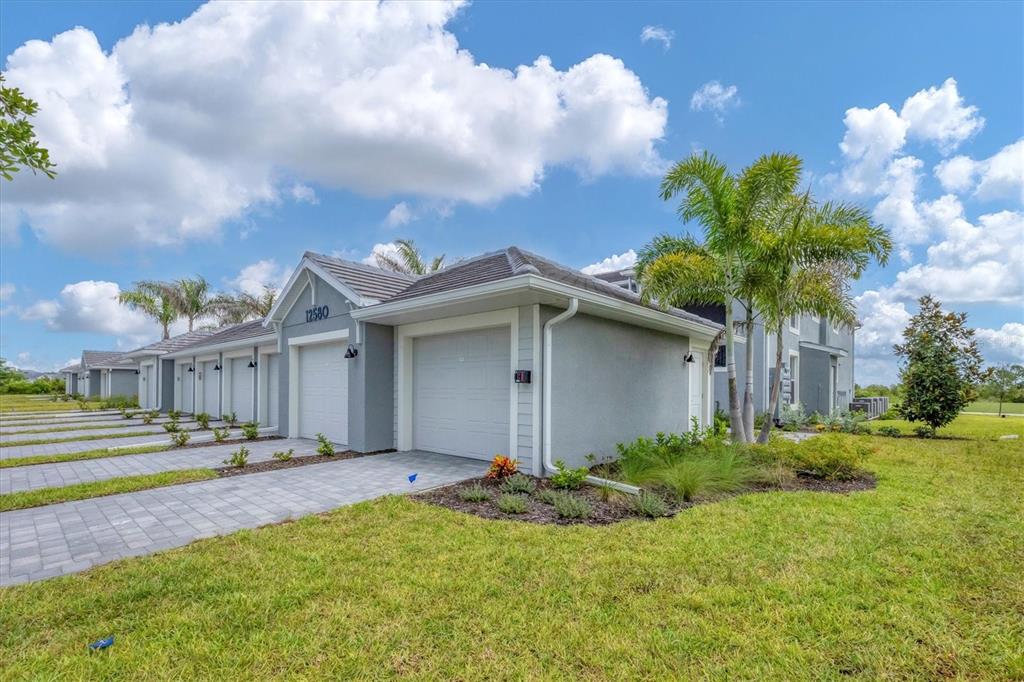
[(412, 478), (102, 643)]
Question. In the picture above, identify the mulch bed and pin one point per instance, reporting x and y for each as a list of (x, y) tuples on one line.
[(232, 441), (298, 461), (618, 507)]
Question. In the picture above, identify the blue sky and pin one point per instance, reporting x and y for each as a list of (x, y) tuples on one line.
[(230, 143)]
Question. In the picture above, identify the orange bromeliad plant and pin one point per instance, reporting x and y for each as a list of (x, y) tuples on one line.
[(502, 467)]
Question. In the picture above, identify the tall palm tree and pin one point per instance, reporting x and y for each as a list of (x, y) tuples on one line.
[(192, 298), (677, 271), (408, 260), (809, 254), (242, 307), (155, 300)]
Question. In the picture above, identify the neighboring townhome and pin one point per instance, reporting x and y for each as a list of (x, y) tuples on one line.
[(505, 353), (233, 370), (106, 374), (156, 378), (817, 358), (70, 375)]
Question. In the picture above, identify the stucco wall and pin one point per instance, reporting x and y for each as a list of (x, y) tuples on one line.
[(814, 380), (124, 382), (612, 383)]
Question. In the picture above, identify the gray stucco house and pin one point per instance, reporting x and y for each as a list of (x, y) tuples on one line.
[(817, 368), (105, 373), (156, 377), (70, 374)]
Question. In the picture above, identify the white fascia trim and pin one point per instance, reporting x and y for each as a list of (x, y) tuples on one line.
[(322, 337), (225, 346), (540, 284), (240, 353), (406, 333), (827, 349), (207, 358), (287, 300), (178, 362)]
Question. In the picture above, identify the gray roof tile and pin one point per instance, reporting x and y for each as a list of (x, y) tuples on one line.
[(176, 342), (365, 280)]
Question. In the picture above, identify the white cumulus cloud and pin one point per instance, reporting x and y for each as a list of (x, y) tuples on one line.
[(182, 128), (400, 214), (92, 306), (7, 290), (939, 115), (616, 261), (1001, 176), (716, 98), (1005, 344), (255, 277)]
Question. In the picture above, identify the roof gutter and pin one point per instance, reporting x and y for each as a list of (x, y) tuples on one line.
[(574, 306)]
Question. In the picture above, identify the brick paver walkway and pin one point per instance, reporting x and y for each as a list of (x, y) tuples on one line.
[(84, 445), (74, 536), (140, 428)]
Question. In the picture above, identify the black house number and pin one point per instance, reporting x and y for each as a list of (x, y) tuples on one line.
[(315, 313)]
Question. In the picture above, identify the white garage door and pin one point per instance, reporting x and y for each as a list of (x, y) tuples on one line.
[(241, 389), (149, 386), (323, 392), (461, 386), (273, 367), (186, 388), (211, 388)]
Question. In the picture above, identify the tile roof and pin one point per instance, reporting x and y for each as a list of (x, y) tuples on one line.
[(101, 358), (176, 342), (235, 332), (513, 261), (365, 280), (73, 368)]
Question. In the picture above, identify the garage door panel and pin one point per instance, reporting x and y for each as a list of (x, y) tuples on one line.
[(241, 389), (461, 386), (211, 389), (273, 369), (323, 392)]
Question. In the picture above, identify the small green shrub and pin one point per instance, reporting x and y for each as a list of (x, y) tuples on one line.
[(474, 493), (203, 419), (283, 456), (231, 418), (569, 506), (547, 496), (180, 438), (220, 435), (172, 427), (890, 414), (793, 415), (569, 479), (518, 484), (238, 458), (608, 493), (326, 448), (649, 504), (832, 456), (251, 431), (174, 415), (147, 418), (924, 431), (512, 504), (890, 431)]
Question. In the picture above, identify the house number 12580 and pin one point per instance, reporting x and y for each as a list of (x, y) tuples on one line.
[(315, 313)]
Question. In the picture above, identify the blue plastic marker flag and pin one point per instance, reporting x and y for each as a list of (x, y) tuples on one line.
[(412, 478), (102, 643)]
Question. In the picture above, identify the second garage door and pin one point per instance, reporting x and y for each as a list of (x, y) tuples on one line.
[(241, 389), (461, 385), (323, 392)]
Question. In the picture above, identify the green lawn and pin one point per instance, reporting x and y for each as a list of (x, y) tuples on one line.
[(75, 456), (26, 403), (74, 439), (993, 407), (964, 426), (81, 491), (919, 579)]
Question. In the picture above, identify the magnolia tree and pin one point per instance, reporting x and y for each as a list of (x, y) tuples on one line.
[(940, 366)]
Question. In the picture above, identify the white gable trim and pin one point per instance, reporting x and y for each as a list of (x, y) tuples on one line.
[(297, 283)]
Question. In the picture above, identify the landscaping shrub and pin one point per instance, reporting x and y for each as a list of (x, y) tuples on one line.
[(792, 416), (890, 414), (925, 431), (147, 418), (502, 467), (282, 456), (518, 484), (220, 435), (172, 427), (231, 418), (547, 496), (119, 402), (474, 493), (569, 479), (174, 415), (203, 419), (890, 431), (238, 458), (180, 438), (608, 493), (512, 504), (326, 448), (251, 430), (649, 504), (831, 456), (570, 506)]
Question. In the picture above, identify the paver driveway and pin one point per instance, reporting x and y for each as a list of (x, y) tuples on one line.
[(70, 537)]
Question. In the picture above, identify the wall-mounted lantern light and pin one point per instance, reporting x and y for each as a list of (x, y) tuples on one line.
[(351, 352), (137, 372), (216, 368), (191, 369), (688, 357), (252, 364)]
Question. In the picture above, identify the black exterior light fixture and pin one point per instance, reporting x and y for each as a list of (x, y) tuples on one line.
[(252, 364), (137, 372), (191, 369), (351, 352), (216, 368), (688, 357)]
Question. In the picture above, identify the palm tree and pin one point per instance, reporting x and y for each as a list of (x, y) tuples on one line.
[(678, 271), (191, 297), (155, 300), (408, 260), (809, 254), (242, 307)]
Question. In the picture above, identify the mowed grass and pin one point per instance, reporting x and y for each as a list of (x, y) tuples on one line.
[(74, 439), (965, 426), (27, 403), (81, 491), (75, 456), (919, 579), (60, 427), (993, 407)]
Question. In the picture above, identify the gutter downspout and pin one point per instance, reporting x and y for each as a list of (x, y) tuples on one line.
[(574, 306)]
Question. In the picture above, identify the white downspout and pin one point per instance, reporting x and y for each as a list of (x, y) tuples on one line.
[(574, 306)]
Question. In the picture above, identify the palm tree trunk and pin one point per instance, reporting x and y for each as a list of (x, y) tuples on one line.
[(748, 389), (167, 332), (735, 418), (190, 320), (773, 400)]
